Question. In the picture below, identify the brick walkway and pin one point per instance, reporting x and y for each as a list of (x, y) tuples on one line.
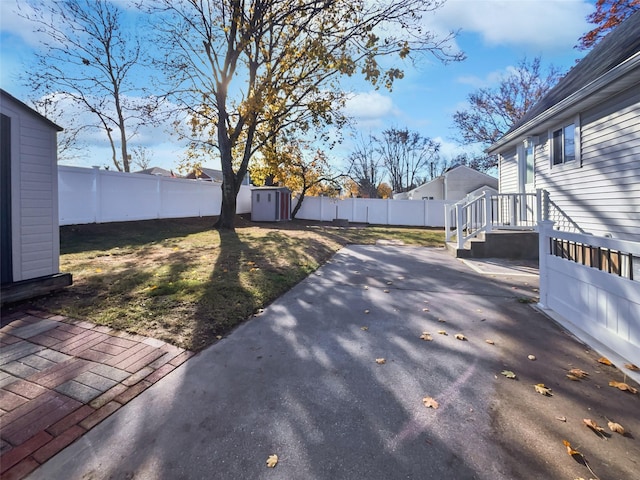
[(60, 377)]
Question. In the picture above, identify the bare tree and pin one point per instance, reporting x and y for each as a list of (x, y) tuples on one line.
[(88, 56), (248, 70), (365, 167), (406, 156), (607, 16), (493, 111)]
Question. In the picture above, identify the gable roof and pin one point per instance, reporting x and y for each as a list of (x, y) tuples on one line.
[(58, 128), (617, 54)]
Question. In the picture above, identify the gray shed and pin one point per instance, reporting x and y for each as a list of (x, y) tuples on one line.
[(270, 204), (30, 236)]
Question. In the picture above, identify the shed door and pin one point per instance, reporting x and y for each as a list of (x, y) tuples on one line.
[(6, 256)]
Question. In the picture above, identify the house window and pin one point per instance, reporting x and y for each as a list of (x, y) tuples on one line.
[(563, 144), (529, 161)]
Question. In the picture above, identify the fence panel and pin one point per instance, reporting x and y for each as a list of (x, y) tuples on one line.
[(89, 195), (599, 297)]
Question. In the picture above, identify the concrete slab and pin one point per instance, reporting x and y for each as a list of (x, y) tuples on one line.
[(301, 381)]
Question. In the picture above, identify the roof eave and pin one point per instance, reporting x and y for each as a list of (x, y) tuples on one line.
[(630, 67)]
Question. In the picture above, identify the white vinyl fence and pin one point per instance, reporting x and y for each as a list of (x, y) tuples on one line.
[(421, 213), (594, 284), (90, 195)]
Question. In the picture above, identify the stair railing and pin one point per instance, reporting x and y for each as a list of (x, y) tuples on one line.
[(472, 216)]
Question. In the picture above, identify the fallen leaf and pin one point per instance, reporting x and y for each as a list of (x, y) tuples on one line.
[(430, 402), (441, 320), (631, 366), (576, 372), (562, 419), (616, 427), (508, 374), (386, 291), (490, 342), (442, 332), (623, 386), (570, 450), (542, 390), (364, 329), (605, 361), (531, 357), (389, 283), (425, 309), (272, 461), (573, 377), (219, 337), (460, 336), (426, 336), (366, 311), (593, 425), (366, 287), (380, 361)]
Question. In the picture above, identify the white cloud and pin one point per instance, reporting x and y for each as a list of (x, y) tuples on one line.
[(541, 25), (370, 109)]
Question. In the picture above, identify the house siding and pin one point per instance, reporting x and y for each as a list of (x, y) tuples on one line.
[(600, 192), (509, 172), (34, 207)]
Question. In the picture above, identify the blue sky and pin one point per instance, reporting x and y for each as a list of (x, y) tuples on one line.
[(494, 34)]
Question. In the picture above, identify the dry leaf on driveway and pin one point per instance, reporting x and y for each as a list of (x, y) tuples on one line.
[(605, 361), (632, 367), (272, 461), (508, 374), (593, 426), (426, 336), (490, 342), (570, 450), (460, 336), (380, 361), (616, 427), (623, 386), (442, 332), (576, 372), (364, 329), (430, 402), (542, 390)]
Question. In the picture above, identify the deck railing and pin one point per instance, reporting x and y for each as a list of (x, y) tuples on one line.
[(482, 214)]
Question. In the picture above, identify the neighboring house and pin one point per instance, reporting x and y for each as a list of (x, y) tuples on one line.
[(30, 243), (270, 204), (453, 185), (581, 145), (161, 172), (211, 175)]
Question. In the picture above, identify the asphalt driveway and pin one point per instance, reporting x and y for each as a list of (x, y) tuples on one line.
[(301, 380)]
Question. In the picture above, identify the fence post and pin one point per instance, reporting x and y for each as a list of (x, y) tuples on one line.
[(459, 233), (488, 217), (539, 212), (447, 222), (545, 228)]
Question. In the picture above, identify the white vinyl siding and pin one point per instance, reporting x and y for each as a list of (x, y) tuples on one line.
[(602, 195), (34, 178), (509, 172)]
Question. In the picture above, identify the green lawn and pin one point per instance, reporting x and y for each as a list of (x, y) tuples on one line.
[(185, 283)]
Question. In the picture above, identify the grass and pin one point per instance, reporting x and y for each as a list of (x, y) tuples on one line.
[(183, 282)]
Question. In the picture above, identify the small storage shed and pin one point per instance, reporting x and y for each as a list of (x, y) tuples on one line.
[(30, 237), (270, 204)]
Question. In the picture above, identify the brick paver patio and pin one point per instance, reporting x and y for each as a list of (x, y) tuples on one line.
[(60, 377)]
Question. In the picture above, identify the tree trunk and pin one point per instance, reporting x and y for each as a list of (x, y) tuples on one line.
[(298, 205)]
